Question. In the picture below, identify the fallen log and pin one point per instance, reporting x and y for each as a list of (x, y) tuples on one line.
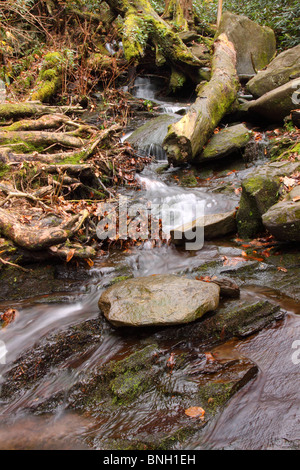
[(143, 25), (40, 139), (187, 137), (15, 111), (35, 237), (86, 150), (48, 121)]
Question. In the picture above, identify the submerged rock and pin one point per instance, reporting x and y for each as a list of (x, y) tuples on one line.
[(215, 225), (259, 193), (285, 67), (226, 142), (283, 220), (255, 45), (158, 300), (278, 103)]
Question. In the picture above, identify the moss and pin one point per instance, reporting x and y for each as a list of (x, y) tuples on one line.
[(4, 170), (177, 80), (120, 278), (20, 146), (49, 80), (75, 159)]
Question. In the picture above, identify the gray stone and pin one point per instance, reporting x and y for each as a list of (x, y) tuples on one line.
[(154, 131), (283, 221), (226, 142), (278, 103), (294, 193), (152, 134), (254, 44), (285, 67), (158, 300), (215, 225)]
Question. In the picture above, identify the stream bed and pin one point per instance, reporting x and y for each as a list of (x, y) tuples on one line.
[(72, 380)]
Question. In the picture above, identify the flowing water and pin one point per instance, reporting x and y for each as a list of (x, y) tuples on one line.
[(263, 414)]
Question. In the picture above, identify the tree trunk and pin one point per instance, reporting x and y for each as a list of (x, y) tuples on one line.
[(187, 137), (142, 25), (180, 11)]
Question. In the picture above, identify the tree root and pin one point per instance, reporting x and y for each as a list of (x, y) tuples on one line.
[(35, 237)]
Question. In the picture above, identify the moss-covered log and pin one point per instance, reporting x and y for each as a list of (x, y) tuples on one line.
[(15, 111), (38, 139), (187, 137), (142, 25)]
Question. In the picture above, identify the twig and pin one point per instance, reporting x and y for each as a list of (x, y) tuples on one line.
[(3, 261)]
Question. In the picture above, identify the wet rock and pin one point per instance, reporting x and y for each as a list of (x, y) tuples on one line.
[(228, 288), (55, 350), (215, 225), (158, 300), (235, 318), (285, 67), (278, 103), (226, 142), (259, 193), (283, 220), (255, 45), (152, 133)]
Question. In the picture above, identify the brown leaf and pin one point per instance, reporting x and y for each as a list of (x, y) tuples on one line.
[(209, 357), (70, 254), (90, 262), (195, 412), (279, 268), (9, 316)]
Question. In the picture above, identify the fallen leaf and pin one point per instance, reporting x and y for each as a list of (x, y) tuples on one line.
[(209, 357), (171, 361), (70, 255), (90, 262), (279, 268), (9, 316), (195, 412)]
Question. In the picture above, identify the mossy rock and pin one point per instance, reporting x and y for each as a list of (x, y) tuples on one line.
[(260, 191), (276, 104), (255, 45), (283, 221), (230, 140), (282, 69)]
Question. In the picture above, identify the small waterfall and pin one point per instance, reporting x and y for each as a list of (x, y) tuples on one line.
[(113, 47)]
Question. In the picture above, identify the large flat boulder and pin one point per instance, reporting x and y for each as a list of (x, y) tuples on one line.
[(278, 103), (158, 300), (214, 225), (226, 142), (285, 67), (283, 220), (255, 45)]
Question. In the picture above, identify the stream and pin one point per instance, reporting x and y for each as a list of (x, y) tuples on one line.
[(263, 414)]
